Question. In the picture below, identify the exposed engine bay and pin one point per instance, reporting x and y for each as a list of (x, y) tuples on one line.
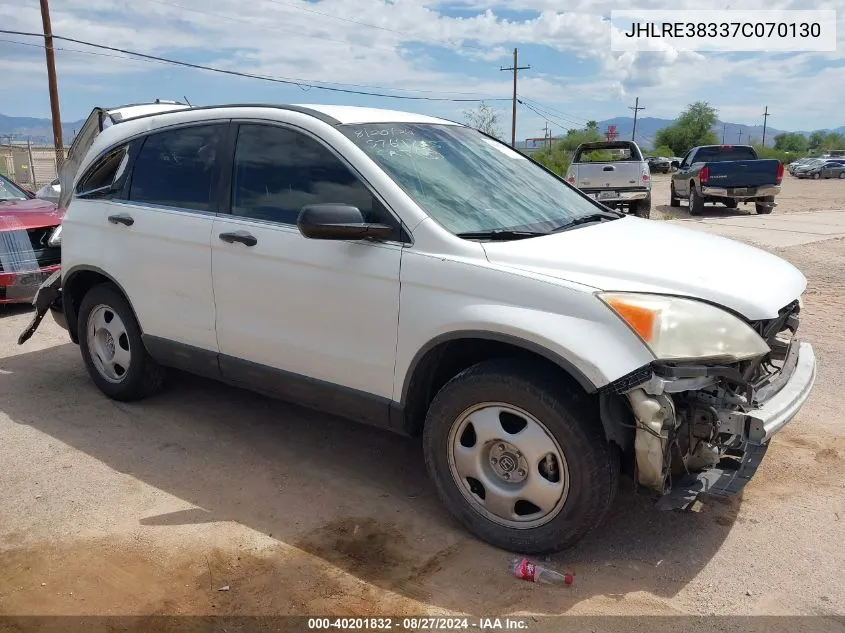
[(696, 424)]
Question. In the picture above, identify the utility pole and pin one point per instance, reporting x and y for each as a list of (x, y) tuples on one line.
[(636, 108), (740, 137), (515, 68), (724, 126), (53, 85), (547, 133), (766, 115)]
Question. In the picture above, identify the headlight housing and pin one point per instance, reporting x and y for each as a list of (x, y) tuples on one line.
[(678, 329), (55, 237)]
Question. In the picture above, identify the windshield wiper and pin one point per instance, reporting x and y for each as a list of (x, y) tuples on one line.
[(586, 219), (499, 234)]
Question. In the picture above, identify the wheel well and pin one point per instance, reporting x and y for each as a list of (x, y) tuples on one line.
[(447, 359), (78, 286)]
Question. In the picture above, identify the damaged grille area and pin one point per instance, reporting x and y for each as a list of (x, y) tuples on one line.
[(764, 375), (27, 250)]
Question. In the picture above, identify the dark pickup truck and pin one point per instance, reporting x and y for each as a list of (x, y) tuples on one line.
[(728, 174)]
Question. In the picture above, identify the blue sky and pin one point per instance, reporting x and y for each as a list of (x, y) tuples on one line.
[(448, 49)]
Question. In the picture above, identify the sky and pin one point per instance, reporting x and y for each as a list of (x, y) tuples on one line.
[(446, 49)]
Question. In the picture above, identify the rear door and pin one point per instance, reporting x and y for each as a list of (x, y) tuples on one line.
[(155, 239)]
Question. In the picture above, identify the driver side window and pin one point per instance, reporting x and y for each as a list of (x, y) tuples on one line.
[(685, 163), (277, 171)]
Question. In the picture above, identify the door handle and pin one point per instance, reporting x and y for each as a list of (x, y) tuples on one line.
[(122, 218), (239, 236)]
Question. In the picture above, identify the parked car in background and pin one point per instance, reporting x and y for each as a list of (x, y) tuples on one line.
[(659, 164), (50, 192), (823, 169), (807, 166), (614, 173), (443, 286), (29, 247), (791, 167), (728, 174)]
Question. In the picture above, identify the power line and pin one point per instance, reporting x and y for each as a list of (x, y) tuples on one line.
[(572, 119), (236, 73), (542, 112)]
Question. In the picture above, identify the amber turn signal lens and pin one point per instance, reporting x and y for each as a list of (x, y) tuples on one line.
[(640, 319)]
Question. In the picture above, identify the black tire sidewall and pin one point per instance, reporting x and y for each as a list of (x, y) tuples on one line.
[(131, 386), (591, 480)]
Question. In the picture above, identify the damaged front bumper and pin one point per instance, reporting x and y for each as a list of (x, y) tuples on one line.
[(48, 298), (743, 432)]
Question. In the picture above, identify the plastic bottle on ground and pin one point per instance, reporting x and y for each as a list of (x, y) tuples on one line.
[(524, 569)]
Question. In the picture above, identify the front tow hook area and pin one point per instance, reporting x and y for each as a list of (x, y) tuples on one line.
[(49, 294)]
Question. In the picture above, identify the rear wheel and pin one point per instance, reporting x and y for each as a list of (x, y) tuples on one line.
[(696, 203), (112, 349), (520, 462), (641, 208), (765, 206), (674, 201)]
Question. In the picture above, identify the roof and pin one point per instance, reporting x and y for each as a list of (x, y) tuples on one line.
[(357, 114)]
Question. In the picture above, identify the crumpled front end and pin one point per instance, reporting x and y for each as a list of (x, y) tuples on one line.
[(27, 258), (705, 429)]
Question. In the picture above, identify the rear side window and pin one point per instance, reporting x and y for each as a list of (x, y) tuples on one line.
[(176, 168), (102, 178)]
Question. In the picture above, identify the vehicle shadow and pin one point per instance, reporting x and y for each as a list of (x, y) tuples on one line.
[(14, 309), (711, 210), (354, 496)]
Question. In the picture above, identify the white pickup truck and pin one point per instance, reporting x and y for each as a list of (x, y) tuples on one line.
[(614, 173)]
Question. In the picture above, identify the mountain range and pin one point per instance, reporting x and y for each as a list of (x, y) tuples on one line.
[(40, 131)]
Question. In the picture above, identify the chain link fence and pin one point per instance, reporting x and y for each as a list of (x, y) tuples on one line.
[(31, 166)]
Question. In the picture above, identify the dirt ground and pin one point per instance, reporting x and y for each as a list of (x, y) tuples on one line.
[(796, 195), (152, 508)]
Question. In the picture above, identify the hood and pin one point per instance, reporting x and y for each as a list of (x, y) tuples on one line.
[(638, 255), (28, 214)]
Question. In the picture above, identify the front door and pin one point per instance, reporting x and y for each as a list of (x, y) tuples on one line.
[(295, 316)]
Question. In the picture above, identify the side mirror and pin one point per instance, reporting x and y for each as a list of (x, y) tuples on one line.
[(338, 222)]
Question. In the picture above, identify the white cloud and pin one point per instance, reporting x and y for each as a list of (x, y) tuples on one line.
[(295, 39)]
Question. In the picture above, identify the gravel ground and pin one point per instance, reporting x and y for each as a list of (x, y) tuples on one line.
[(151, 508)]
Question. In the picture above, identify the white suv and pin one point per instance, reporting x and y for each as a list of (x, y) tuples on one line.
[(413, 273)]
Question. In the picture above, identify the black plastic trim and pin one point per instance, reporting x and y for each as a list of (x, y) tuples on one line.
[(528, 346), (67, 305)]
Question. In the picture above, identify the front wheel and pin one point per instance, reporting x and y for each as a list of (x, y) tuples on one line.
[(674, 201), (519, 461), (112, 349), (816, 176), (842, 174)]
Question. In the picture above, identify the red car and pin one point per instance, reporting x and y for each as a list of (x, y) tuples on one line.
[(30, 242)]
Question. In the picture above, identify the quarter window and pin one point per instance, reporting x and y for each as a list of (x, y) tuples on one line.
[(278, 171), (176, 168), (103, 176)]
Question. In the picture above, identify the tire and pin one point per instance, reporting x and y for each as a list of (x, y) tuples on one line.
[(731, 204), (125, 376), (589, 463), (696, 203), (764, 208), (816, 176), (674, 201), (642, 208), (842, 174)]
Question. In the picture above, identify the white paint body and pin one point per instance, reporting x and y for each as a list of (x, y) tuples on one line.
[(357, 313)]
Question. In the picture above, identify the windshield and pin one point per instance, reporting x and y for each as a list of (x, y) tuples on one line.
[(10, 191), (468, 182)]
